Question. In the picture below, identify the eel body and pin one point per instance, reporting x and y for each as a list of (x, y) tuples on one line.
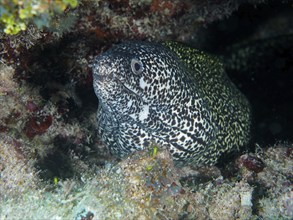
[(171, 95)]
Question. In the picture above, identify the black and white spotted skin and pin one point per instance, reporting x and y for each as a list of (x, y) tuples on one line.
[(170, 95)]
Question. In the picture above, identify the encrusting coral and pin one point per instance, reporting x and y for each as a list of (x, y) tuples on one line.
[(147, 185)]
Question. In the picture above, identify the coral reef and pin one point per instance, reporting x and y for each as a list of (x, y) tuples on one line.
[(40, 126), (148, 186), (277, 180), (52, 164), (17, 173)]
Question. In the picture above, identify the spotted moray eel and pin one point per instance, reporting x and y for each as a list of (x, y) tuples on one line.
[(171, 95)]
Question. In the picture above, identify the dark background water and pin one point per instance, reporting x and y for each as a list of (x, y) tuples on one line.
[(266, 79)]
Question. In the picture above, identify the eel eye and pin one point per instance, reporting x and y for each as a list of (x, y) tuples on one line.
[(136, 66)]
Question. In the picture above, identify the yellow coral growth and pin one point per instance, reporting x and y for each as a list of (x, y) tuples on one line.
[(16, 15)]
